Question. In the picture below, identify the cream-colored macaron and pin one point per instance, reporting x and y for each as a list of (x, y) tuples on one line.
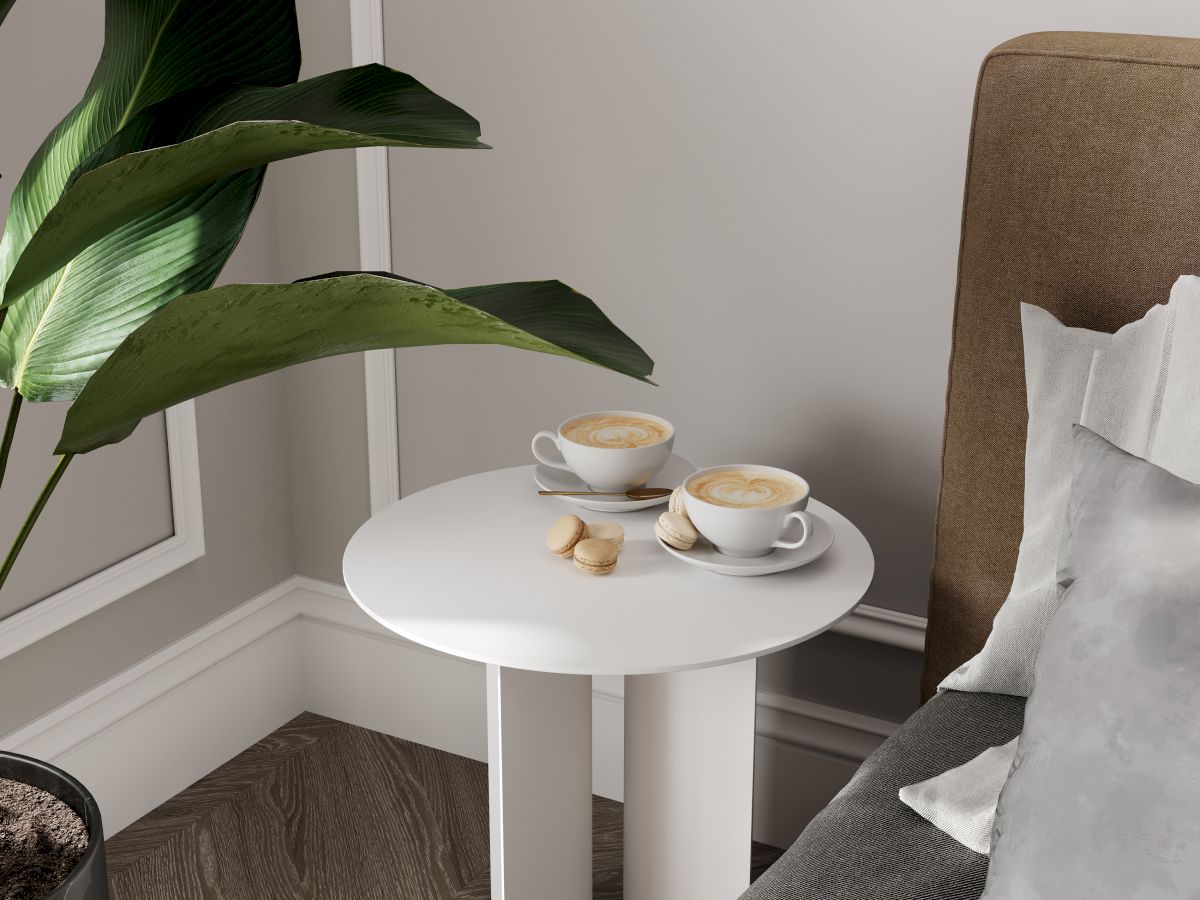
[(675, 504), (565, 533), (595, 556), (608, 531), (676, 530)]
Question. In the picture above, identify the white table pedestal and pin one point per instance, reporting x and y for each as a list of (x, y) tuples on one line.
[(689, 782), (540, 784)]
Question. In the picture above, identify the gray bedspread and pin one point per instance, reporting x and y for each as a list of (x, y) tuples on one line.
[(867, 845)]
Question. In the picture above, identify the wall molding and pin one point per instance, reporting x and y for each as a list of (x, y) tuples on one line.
[(146, 733), (885, 626), (186, 544), (836, 734), (375, 255)]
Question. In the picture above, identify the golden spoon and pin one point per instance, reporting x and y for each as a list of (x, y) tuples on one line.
[(642, 493)]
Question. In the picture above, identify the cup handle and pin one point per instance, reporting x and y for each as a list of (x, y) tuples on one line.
[(806, 526), (551, 436)]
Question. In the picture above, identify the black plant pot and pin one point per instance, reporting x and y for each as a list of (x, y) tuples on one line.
[(89, 879)]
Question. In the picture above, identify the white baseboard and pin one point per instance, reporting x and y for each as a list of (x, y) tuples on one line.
[(145, 734), (150, 731)]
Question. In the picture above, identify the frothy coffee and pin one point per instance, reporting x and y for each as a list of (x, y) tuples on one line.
[(745, 489), (616, 432)]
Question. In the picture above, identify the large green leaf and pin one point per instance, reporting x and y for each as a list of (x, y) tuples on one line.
[(232, 333), (57, 342), (245, 128), (5, 6), (153, 49)]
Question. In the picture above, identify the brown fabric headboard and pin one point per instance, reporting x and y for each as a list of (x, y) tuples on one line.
[(1083, 197)]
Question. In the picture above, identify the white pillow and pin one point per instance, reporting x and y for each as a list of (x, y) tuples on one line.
[(1144, 391), (1142, 395), (962, 801), (1057, 362)]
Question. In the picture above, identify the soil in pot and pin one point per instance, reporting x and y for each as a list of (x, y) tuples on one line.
[(41, 840)]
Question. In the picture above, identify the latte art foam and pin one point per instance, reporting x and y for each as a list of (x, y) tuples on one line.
[(616, 432), (745, 489)]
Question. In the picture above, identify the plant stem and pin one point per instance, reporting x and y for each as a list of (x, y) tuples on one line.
[(32, 518), (10, 428)]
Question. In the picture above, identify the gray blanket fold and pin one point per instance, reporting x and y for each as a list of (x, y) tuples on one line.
[(867, 845)]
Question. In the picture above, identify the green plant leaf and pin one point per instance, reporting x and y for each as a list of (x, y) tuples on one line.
[(242, 129), (153, 49), (225, 335), (55, 334), (5, 6), (57, 342)]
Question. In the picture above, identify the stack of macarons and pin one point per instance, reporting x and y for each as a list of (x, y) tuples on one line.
[(673, 527), (593, 546)]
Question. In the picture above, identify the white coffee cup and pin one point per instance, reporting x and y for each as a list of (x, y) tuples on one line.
[(748, 530), (612, 467)]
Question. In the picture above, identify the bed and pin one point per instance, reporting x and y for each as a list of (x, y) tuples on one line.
[(1082, 191)]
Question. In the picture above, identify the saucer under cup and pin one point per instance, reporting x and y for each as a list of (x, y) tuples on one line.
[(704, 555), (671, 475)]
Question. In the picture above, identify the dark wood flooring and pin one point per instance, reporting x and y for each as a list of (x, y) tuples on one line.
[(322, 810)]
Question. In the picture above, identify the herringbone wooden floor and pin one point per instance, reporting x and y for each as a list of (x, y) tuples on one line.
[(322, 810)]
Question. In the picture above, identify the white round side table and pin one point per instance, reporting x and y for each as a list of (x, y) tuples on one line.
[(463, 568)]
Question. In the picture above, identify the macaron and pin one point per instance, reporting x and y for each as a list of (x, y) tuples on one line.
[(608, 531), (675, 504), (565, 533), (676, 530), (595, 556)]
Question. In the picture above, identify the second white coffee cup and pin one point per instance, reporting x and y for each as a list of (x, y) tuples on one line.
[(745, 510), (611, 450)]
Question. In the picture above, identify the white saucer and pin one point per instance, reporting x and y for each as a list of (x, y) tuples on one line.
[(705, 555), (671, 476)]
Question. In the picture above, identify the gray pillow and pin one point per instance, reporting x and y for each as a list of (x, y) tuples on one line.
[(1104, 795)]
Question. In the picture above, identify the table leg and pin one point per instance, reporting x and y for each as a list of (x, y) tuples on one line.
[(540, 784), (689, 779)]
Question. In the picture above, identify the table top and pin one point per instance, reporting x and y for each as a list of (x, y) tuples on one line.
[(463, 568)]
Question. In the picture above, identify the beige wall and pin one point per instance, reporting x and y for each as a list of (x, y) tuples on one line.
[(113, 501), (716, 176), (765, 194)]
